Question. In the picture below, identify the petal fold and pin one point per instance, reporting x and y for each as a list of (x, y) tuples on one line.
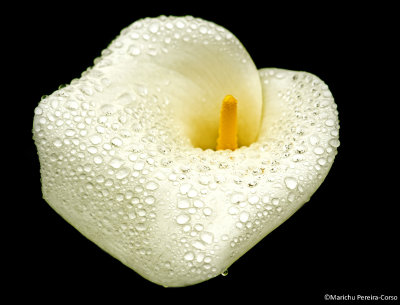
[(192, 64)]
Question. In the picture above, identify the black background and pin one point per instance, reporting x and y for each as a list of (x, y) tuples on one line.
[(344, 241)]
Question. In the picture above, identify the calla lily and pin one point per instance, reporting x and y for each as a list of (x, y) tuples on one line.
[(128, 151)]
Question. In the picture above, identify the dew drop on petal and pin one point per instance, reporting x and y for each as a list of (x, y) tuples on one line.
[(198, 245), (185, 188), (198, 203), (244, 216), (314, 140), (192, 193), (207, 211), (180, 24), (253, 199), (116, 142), (182, 219), (189, 256), (334, 143), (204, 180), (138, 166), (329, 122), (207, 237), (122, 173), (233, 210), (116, 163), (291, 183), (150, 200), (319, 150), (95, 139), (134, 50), (151, 186), (98, 160), (154, 27)]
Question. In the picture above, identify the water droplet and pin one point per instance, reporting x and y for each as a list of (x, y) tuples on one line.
[(38, 110), (189, 256), (180, 24), (265, 199), (314, 140), (198, 203), (199, 227), (152, 51), (98, 160), (185, 188), (244, 217), (150, 200), (319, 150), (72, 105), (225, 272), (334, 133), (207, 237), (57, 143), (132, 157), (239, 225), (233, 210), (70, 132), (291, 183), (182, 219), (122, 173), (280, 75), (116, 163), (192, 193), (204, 180), (134, 35), (87, 91), (116, 142), (134, 50), (107, 109), (95, 139), (291, 197), (253, 199), (151, 186), (334, 143), (154, 27), (203, 30), (275, 201), (198, 245), (92, 150), (207, 211), (138, 166), (329, 122)]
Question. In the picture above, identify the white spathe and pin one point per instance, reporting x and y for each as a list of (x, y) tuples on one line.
[(121, 149)]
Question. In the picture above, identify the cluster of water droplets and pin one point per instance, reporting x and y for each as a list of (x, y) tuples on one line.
[(121, 172), (158, 36)]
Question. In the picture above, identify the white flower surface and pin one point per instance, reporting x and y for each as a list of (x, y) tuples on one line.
[(127, 152)]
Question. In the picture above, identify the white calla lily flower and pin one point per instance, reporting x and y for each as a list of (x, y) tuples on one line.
[(128, 151)]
